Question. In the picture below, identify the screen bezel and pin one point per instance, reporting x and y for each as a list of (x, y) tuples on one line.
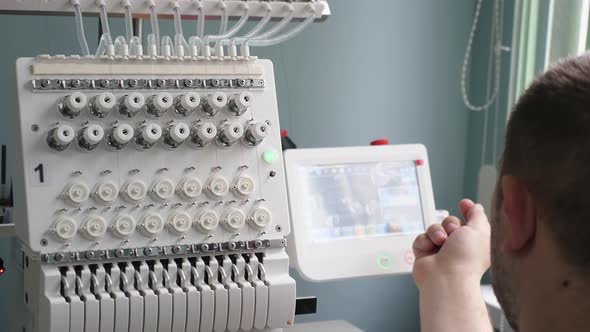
[(352, 257)]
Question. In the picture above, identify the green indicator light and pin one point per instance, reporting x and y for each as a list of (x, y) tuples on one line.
[(385, 261), (270, 156)]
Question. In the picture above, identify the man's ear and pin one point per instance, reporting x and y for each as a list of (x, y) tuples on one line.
[(520, 214)]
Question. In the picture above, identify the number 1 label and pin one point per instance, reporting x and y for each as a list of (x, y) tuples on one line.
[(38, 173)]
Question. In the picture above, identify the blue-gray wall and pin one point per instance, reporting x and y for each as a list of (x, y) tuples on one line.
[(374, 69)]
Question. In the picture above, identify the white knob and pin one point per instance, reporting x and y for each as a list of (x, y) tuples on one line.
[(230, 133), (123, 133), (217, 187), (76, 193), (123, 225), (180, 222), (207, 221), (92, 134), (60, 137), (214, 103), (260, 218), (217, 100), (179, 132), (102, 104), (159, 104), (72, 105), (94, 227), (233, 220), (134, 191), (162, 189), (76, 102), (241, 103), (244, 186), (203, 133), (106, 192), (65, 228), (187, 103), (151, 132), (152, 224), (190, 188), (131, 104), (256, 132)]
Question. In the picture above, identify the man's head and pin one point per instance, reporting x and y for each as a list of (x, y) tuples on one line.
[(543, 193)]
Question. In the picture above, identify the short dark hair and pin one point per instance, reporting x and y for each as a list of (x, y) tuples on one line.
[(547, 146)]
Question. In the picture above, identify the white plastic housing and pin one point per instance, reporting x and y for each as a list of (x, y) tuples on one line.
[(217, 187), (123, 225), (152, 224), (76, 193), (106, 192), (207, 221), (374, 254), (134, 191)]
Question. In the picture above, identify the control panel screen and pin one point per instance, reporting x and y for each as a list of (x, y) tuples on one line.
[(362, 200)]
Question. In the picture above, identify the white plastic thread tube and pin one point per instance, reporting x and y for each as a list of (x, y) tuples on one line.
[(154, 25), (282, 38), (235, 28), (80, 28), (252, 32), (272, 31), (128, 21), (106, 41), (180, 43)]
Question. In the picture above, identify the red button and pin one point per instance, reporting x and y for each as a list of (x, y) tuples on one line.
[(284, 133), (383, 141), (419, 162)]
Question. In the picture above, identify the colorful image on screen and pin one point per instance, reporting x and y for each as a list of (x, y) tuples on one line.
[(362, 200)]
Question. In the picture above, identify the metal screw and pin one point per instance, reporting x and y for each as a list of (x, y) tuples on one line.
[(215, 82), (76, 83), (231, 246), (279, 228), (148, 251), (188, 82), (45, 83), (273, 174), (59, 257), (119, 252), (89, 255), (204, 247), (258, 244), (133, 83), (35, 128), (104, 83), (161, 83), (176, 249), (242, 82), (44, 242)]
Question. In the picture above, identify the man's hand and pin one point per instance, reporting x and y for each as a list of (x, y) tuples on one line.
[(452, 250), (451, 258)]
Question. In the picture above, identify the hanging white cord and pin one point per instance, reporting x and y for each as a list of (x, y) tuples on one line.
[(467, 59), (484, 141), (497, 111), (106, 41), (155, 26), (80, 29)]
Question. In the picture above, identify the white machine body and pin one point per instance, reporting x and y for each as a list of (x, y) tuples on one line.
[(126, 223), (369, 202)]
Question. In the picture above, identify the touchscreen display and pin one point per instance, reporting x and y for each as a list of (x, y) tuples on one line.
[(362, 200)]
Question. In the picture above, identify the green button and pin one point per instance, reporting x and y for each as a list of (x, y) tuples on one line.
[(385, 261), (270, 156)]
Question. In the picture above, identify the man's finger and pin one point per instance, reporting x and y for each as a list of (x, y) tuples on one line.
[(474, 214), (464, 206), (450, 224), (422, 246), (437, 234)]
